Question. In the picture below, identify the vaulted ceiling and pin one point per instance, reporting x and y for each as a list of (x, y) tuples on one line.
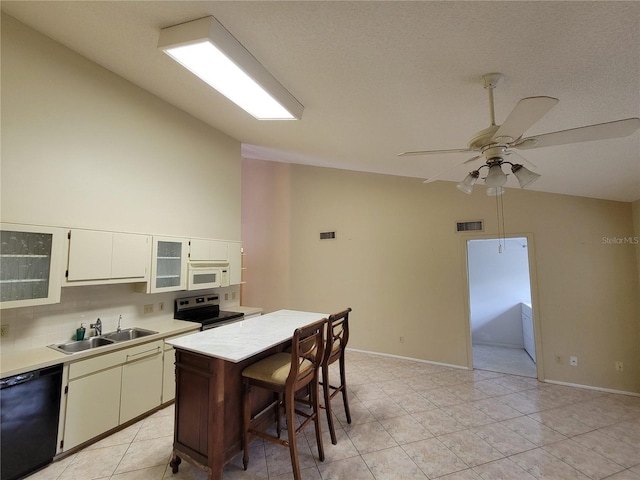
[(380, 78)]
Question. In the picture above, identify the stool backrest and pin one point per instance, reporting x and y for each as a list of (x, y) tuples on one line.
[(307, 350), (337, 336)]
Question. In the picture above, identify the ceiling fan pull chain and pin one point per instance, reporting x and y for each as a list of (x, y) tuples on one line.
[(504, 232), (499, 208)]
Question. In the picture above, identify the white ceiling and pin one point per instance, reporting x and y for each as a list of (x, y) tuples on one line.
[(379, 78)]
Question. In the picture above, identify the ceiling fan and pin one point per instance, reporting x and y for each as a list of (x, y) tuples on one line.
[(497, 142)]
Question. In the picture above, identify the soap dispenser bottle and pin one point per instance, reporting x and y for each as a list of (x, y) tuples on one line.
[(80, 332)]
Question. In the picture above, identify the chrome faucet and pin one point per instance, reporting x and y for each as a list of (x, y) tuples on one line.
[(119, 329), (97, 326)]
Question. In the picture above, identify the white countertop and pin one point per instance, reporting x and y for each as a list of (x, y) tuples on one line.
[(238, 341), (242, 309), (26, 360)]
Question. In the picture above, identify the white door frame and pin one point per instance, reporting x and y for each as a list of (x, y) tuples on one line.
[(533, 281)]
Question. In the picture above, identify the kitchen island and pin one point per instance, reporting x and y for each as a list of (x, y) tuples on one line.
[(209, 365)]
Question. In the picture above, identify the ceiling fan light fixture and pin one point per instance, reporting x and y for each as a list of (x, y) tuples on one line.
[(207, 49), (524, 175), (469, 181), (496, 177)]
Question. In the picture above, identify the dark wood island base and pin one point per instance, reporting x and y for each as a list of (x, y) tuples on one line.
[(208, 409)]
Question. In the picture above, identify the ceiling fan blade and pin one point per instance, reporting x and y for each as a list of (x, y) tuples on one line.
[(433, 152), (527, 112), (435, 177), (601, 131)]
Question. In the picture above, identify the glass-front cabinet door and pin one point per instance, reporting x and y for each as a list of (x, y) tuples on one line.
[(30, 265), (169, 268)]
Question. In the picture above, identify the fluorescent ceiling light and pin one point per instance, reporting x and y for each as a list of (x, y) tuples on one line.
[(209, 51)]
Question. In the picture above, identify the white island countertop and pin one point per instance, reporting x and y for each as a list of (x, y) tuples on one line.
[(240, 340)]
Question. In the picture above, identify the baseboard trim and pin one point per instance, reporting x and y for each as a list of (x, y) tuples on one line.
[(502, 345), (590, 387), (460, 367)]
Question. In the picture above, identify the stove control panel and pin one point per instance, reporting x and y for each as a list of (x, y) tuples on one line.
[(197, 302)]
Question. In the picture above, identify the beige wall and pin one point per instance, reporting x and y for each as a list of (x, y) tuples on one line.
[(399, 264), (266, 227), (636, 233), (82, 147)]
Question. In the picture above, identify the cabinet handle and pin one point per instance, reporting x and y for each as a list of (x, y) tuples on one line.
[(145, 353)]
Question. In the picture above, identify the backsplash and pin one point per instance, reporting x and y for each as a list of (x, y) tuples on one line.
[(32, 327)]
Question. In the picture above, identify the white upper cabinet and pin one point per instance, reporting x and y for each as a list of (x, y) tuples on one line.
[(219, 251), (203, 249), (34, 259), (108, 257), (31, 260), (131, 256), (169, 264), (89, 255), (235, 263)]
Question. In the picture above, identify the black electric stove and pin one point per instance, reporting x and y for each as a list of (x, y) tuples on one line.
[(204, 309)]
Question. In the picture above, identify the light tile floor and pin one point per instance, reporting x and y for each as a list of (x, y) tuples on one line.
[(412, 420), (515, 361)]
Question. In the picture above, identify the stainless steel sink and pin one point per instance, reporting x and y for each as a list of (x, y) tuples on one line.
[(102, 340), (81, 345), (128, 334)]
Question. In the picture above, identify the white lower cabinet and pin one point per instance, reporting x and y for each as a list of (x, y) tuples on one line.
[(169, 370), (141, 383), (169, 374), (108, 390), (93, 406)]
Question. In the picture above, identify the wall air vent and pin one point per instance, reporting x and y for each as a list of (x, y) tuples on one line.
[(474, 226), (327, 235)]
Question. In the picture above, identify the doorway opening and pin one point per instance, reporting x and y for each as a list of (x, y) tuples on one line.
[(501, 318)]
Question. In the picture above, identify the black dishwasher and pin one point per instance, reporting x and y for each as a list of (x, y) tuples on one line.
[(29, 410)]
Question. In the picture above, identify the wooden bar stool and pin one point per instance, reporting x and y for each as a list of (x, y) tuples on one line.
[(336, 342), (285, 374)]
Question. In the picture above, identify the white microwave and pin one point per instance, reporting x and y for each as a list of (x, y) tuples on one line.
[(201, 275)]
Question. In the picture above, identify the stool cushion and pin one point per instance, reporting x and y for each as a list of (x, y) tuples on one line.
[(274, 369)]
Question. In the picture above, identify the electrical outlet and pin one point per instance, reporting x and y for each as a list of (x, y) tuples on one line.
[(161, 306), (148, 308), (619, 366), (401, 339), (573, 361), (226, 296), (558, 359), (4, 331)]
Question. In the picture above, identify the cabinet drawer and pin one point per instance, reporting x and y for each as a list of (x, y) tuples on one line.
[(142, 351), (95, 364), (102, 362)]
